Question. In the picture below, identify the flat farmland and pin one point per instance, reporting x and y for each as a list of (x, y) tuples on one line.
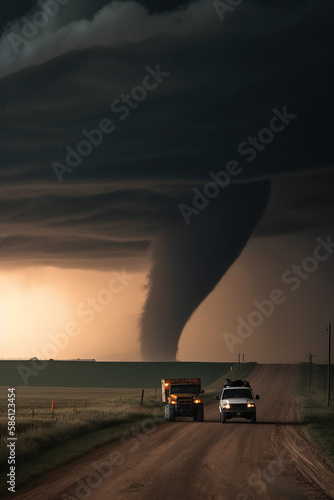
[(274, 458), (85, 418), (82, 420), (106, 374)]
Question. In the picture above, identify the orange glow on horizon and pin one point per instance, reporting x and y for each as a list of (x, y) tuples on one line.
[(69, 314)]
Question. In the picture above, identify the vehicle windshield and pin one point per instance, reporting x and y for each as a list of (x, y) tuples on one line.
[(237, 393), (179, 389)]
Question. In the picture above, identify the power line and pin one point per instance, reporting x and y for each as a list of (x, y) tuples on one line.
[(329, 329), (310, 357)]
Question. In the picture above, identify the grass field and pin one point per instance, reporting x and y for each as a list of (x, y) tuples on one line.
[(315, 412), (83, 419), (87, 418), (103, 374)]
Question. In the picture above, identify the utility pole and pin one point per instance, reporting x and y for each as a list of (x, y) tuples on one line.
[(310, 357), (239, 359), (329, 329), (243, 358)]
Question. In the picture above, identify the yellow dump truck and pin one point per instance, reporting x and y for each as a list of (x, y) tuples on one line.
[(181, 398)]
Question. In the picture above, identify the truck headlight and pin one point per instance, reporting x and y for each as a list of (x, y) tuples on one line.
[(173, 402), (197, 401), (226, 406), (250, 405)]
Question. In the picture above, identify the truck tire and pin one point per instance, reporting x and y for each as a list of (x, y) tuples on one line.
[(200, 414), (222, 417), (170, 413), (253, 418)]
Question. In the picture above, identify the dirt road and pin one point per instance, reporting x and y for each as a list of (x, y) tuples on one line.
[(272, 459)]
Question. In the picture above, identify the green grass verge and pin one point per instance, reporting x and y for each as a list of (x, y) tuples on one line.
[(315, 413)]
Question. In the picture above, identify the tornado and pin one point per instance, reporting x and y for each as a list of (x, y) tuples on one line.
[(189, 260)]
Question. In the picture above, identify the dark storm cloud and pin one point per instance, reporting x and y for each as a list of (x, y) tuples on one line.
[(299, 203), (224, 81), (46, 249), (225, 78)]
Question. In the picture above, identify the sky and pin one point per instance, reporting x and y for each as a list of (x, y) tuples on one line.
[(166, 180)]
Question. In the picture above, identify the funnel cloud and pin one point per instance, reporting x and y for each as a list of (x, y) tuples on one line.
[(226, 79), (189, 261)]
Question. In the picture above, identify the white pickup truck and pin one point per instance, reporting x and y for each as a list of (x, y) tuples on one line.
[(237, 402)]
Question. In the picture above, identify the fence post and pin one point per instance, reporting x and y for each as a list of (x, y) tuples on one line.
[(142, 397)]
